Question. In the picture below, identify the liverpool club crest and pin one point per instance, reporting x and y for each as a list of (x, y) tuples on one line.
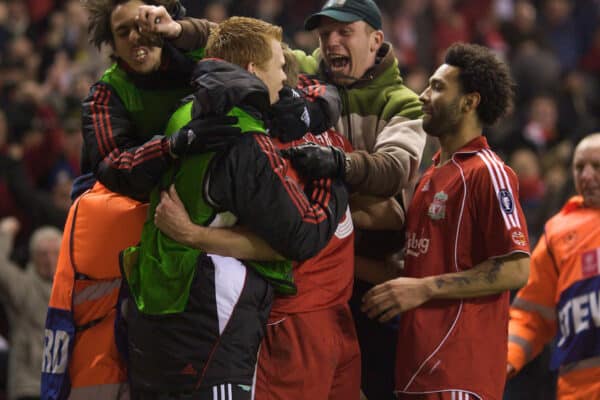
[(437, 208)]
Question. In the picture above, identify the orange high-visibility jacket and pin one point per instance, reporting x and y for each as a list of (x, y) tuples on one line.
[(81, 359), (562, 298)]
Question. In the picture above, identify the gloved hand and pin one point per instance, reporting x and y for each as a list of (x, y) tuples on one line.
[(291, 118), (202, 135), (314, 161)]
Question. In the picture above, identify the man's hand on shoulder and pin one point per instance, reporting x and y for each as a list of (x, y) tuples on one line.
[(203, 135)]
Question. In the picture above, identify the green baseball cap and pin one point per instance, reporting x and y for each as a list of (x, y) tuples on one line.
[(347, 11)]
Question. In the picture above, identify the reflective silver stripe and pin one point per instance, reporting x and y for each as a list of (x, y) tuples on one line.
[(96, 291), (113, 391), (524, 344), (587, 363), (548, 313)]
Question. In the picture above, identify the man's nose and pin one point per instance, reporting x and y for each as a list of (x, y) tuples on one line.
[(588, 171), (424, 96), (332, 40)]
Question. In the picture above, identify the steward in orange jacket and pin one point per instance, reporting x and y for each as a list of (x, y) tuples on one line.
[(562, 296), (81, 358)]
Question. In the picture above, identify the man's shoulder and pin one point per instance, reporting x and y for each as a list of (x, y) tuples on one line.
[(396, 97), (573, 215)]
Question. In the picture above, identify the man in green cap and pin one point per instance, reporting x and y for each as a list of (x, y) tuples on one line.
[(381, 118)]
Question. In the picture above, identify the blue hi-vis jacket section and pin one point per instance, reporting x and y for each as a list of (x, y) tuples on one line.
[(579, 323), (59, 337)]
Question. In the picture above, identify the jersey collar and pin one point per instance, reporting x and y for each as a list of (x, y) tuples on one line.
[(472, 147)]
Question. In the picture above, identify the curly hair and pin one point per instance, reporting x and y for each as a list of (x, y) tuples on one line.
[(482, 72), (100, 12)]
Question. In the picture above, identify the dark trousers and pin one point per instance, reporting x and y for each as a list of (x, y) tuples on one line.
[(377, 349)]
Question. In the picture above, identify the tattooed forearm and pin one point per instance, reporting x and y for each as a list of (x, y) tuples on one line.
[(489, 274), (458, 280), (489, 277), (492, 274)]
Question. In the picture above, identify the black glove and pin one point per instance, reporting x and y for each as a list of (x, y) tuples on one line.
[(291, 118), (314, 161), (202, 135)]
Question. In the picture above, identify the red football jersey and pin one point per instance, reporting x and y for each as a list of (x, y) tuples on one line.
[(462, 213), (325, 279)]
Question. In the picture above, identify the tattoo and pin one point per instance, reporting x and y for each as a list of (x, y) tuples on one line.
[(492, 274), (458, 280), (489, 274)]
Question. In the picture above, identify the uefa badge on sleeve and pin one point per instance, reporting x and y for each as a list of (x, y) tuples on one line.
[(506, 201), (437, 208)]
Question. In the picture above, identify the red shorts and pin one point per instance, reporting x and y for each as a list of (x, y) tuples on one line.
[(312, 355)]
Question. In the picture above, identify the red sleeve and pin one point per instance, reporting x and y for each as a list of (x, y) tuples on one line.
[(499, 214), (118, 156)]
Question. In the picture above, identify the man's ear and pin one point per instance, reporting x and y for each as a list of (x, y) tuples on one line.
[(471, 101), (251, 67), (376, 40)]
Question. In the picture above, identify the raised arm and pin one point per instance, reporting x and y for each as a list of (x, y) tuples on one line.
[(376, 213), (11, 276), (186, 33)]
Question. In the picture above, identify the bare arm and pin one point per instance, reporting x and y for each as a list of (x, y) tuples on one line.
[(492, 276), (173, 220), (376, 213)]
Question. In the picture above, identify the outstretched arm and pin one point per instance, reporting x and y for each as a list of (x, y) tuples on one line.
[(492, 276), (376, 213), (173, 220)]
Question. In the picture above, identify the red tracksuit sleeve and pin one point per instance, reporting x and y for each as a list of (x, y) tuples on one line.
[(250, 180), (119, 158), (323, 102)]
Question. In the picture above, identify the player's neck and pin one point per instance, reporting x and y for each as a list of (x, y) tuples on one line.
[(450, 144)]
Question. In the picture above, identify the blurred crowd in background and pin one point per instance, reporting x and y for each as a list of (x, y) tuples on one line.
[(552, 46)]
